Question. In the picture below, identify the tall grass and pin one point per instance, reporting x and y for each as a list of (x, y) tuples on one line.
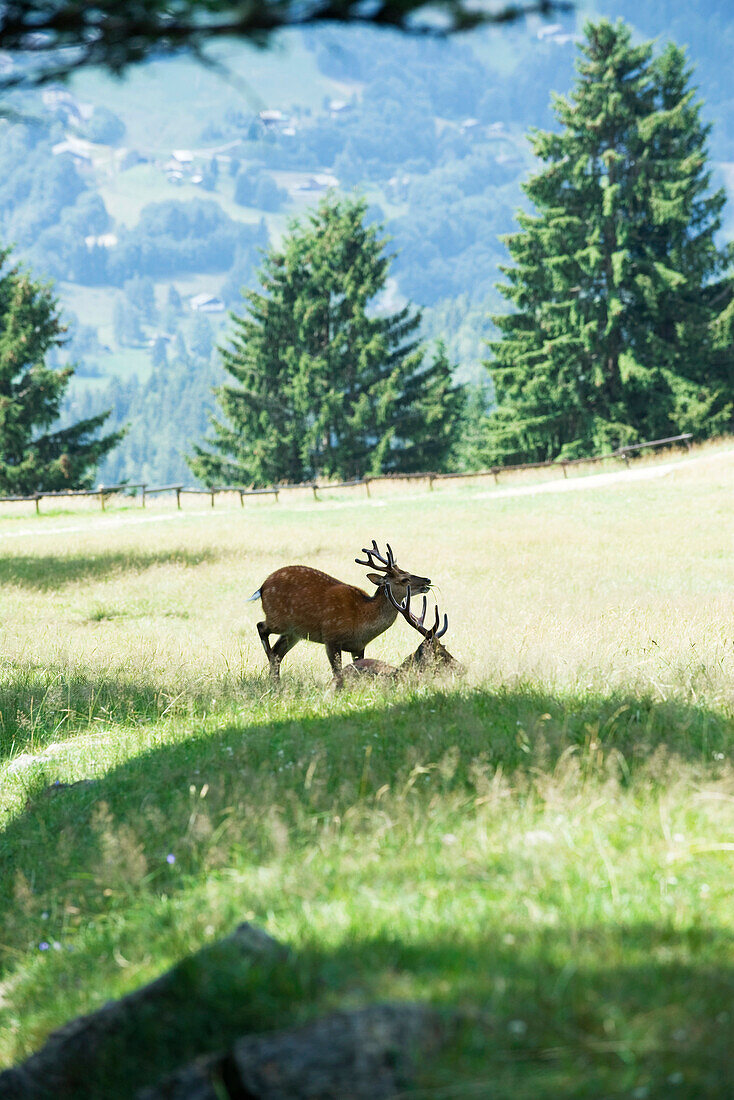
[(546, 845)]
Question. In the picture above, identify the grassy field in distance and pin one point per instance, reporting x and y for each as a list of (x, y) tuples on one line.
[(247, 80), (546, 845), (93, 306), (126, 193)]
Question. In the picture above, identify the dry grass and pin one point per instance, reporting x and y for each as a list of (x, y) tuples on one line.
[(616, 586)]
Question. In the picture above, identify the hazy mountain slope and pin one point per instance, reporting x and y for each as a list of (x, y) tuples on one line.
[(139, 195)]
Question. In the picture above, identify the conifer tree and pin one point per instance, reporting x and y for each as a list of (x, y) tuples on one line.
[(34, 455), (323, 384), (614, 335)]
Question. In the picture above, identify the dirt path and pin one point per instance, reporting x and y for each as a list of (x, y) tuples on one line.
[(561, 485), (598, 481)]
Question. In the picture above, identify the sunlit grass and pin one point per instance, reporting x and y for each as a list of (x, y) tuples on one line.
[(547, 844)]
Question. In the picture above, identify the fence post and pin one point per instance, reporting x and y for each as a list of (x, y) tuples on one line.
[(103, 492)]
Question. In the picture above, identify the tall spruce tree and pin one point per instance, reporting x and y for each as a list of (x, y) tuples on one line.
[(323, 384), (617, 278), (33, 456)]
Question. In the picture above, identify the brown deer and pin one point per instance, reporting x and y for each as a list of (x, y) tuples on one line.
[(301, 603), (430, 656)]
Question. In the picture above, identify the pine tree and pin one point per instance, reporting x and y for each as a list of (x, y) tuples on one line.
[(126, 323), (256, 440), (174, 305), (201, 336), (472, 432), (140, 293), (613, 338), (159, 353), (428, 413), (324, 385), (34, 457)]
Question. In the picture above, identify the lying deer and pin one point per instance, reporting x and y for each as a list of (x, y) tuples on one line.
[(430, 656), (301, 603)]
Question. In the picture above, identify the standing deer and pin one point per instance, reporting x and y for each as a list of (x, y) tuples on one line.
[(430, 656), (301, 603)]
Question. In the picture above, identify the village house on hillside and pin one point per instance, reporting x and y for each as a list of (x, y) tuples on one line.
[(339, 107), (273, 119), (207, 303), (179, 166), (102, 240), (320, 181)]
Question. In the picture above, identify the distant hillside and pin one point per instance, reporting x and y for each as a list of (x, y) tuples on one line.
[(148, 200)]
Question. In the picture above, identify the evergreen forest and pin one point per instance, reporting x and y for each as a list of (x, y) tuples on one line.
[(157, 229)]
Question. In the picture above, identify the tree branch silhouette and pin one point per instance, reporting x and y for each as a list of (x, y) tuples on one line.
[(51, 40)]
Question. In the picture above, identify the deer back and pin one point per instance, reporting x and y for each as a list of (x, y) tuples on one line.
[(302, 602), (368, 667), (430, 658)]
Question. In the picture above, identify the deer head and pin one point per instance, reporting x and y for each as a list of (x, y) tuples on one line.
[(431, 653), (391, 578)]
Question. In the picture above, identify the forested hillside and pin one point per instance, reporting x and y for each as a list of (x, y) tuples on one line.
[(148, 201)]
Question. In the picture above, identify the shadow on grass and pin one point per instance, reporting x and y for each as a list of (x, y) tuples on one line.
[(433, 743), (43, 705), (48, 572), (585, 1012), (562, 1017), (508, 726)]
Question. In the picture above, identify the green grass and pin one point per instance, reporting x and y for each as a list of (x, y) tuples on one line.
[(546, 846)]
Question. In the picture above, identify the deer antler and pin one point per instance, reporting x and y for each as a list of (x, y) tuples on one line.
[(404, 609), (417, 624), (375, 559)]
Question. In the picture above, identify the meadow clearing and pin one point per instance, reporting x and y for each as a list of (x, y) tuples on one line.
[(546, 845)]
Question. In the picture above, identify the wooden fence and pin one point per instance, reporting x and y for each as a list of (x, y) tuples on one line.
[(102, 492)]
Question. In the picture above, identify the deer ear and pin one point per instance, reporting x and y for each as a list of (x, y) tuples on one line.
[(377, 578)]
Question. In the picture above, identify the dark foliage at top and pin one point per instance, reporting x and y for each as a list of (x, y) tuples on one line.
[(64, 36)]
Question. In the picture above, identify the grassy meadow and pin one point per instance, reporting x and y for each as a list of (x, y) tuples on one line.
[(545, 845)]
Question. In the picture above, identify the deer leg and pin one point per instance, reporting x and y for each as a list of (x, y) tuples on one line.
[(335, 660), (358, 655), (262, 629), (270, 651), (279, 650)]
